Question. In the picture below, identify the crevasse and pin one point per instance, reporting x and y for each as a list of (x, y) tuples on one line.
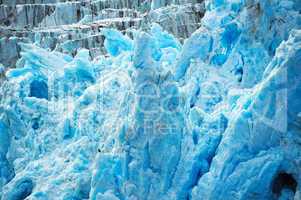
[(215, 117)]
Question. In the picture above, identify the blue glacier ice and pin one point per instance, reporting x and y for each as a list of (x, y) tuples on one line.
[(216, 116)]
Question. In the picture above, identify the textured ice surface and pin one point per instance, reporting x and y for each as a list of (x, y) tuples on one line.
[(67, 25), (215, 118)]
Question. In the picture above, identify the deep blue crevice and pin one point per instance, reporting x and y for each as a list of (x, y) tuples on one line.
[(22, 189), (39, 89)]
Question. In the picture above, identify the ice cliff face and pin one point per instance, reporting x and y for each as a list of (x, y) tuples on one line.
[(66, 26), (215, 117)]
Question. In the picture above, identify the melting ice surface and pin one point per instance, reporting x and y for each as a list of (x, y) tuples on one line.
[(217, 117)]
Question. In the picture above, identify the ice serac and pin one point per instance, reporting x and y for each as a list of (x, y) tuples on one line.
[(152, 115), (260, 136)]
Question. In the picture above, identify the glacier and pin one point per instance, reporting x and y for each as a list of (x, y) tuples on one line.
[(164, 108)]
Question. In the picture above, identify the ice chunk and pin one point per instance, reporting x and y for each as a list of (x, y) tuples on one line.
[(198, 46), (116, 42)]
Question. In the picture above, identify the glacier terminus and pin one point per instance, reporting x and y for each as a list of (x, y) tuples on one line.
[(150, 99)]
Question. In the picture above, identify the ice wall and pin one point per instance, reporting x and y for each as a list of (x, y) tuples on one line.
[(215, 117), (69, 25)]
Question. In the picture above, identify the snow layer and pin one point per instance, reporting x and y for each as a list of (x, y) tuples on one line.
[(215, 118)]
